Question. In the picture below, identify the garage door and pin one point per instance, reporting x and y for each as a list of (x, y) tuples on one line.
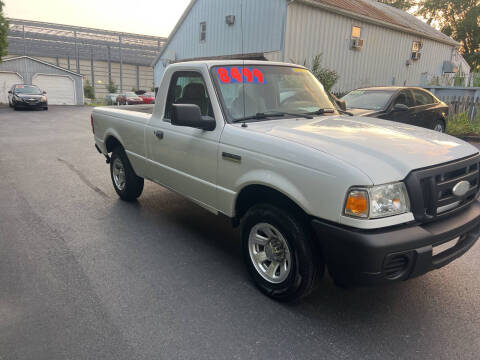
[(60, 89), (7, 79)]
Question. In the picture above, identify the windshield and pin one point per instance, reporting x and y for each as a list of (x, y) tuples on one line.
[(131, 94), (252, 90), (368, 99), (27, 90)]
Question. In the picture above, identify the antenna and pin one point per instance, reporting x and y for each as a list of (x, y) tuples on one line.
[(243, 61)]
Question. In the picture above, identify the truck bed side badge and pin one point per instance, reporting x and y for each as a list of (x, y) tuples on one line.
[(232, 157)]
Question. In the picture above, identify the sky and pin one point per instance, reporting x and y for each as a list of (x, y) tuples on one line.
[(146, 17)]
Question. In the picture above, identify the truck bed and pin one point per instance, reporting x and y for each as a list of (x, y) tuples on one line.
[(147, 108)]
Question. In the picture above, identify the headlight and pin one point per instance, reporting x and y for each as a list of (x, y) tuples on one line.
[(43, 98), (377, 201)]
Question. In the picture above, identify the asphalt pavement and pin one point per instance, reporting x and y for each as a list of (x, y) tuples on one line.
[(84, 275)]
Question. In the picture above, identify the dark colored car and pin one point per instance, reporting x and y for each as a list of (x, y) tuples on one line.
[(408, 105), (129, 98), (27, 96), (148, 98)]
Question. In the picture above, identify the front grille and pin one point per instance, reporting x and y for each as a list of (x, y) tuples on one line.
[(431, 189), (395, 266)]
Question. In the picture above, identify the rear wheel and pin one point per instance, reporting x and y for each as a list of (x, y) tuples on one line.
[(279, 253), (127, 184), (439, 126)]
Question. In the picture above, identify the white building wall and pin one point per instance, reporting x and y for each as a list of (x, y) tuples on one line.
[(259, 28), (381, 61)]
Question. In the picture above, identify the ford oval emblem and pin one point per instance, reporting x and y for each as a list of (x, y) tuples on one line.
[(461, 188)]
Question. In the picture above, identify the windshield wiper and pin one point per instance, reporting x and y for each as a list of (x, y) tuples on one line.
[(322, 111), (345, 112), (268, 114)]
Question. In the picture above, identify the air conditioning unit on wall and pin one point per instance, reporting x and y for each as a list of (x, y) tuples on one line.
[(357, 44), (416, 56)]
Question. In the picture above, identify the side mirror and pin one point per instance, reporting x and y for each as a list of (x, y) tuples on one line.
[(9, 91), (341, 104), (44, 92), (400, 107), (190, 115)]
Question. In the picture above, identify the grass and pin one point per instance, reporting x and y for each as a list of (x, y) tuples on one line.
[(461, 125)]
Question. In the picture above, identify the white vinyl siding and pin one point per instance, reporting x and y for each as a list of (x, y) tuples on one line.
[(7, 80), (381, 61)]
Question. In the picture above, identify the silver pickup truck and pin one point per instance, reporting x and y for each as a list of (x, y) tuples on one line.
[(371, 200)]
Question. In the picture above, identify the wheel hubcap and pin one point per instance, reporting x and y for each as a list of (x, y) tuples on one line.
[(119, 174), (269, 253)]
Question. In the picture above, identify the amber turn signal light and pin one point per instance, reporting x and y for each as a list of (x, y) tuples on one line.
[(357, 204)]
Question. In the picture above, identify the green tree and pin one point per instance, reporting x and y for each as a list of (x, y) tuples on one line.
[(327, 77), (3, 32), (459, 19), (400, 4), (88, 90), (111, 87)]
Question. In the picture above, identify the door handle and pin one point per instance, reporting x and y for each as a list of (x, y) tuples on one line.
[(158, 134)]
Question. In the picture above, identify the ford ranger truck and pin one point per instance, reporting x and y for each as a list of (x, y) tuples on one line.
[(372, 201)]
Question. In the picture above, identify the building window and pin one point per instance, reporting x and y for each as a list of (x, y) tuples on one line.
[(356, 32), (417, 46), (203, 31)]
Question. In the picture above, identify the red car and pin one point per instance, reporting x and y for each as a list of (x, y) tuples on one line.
[(148, 98), (129, 98)]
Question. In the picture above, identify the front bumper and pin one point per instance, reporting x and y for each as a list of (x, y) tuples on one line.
[(29, 105), (357, 257)]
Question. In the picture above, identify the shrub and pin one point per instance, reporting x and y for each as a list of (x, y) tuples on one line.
[(111, 87), (327, 77), (88, 90), (461, 125)]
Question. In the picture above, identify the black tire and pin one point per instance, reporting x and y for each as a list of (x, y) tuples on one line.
[(133, 186), (437, 124), (15, 108), (45, 108), (306, 267)]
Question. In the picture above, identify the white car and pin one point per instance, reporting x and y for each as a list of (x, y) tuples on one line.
[(374, 201)]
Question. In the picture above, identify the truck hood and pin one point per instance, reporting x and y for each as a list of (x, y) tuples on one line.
[(383, 150)]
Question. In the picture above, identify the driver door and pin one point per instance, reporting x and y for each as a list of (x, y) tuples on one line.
[(184, 159), (404, 97)]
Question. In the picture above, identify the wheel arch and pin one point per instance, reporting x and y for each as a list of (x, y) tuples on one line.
[(256, 193), (112, 140)]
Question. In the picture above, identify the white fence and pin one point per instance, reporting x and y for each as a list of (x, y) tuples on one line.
[(451, 80), (460, 100)]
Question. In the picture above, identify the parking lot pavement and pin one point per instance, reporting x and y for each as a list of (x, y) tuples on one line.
[(85, 275)]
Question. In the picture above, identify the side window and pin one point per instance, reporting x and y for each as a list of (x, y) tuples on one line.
[(405, 98), (188, 88), (422, 98)]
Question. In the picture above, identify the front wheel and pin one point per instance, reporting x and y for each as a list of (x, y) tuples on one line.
[(127, 184), (279, 253)]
